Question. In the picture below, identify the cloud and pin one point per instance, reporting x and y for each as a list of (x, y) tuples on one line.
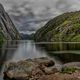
[(39, 5), (25, 11)]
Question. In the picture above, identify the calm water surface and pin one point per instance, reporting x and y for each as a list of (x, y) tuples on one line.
[(21, 50)]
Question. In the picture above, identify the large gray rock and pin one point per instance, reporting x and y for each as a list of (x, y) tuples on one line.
[(39, 69), (30, 69)]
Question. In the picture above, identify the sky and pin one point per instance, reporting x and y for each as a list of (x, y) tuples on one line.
[(62, 5), (25, 13)]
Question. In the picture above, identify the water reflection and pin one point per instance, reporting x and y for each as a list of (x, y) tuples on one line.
[(61, 52), (19, 50), (61, 46), (6, 51), (28, 49)]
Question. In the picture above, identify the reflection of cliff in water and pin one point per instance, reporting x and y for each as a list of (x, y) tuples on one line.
[(63, 51), (6, 51), (66, 57)]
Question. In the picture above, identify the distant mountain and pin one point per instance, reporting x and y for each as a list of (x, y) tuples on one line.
[(7, 28)]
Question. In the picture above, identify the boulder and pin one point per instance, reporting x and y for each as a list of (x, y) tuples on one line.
[(29, 69)]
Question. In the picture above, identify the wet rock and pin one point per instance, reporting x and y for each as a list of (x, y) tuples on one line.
[(72, 64), (30, 69), (71, 67), (60, 76), (40, 69)]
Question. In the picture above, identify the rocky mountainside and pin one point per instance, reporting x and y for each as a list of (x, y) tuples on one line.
[(7, 28), (65, 27)]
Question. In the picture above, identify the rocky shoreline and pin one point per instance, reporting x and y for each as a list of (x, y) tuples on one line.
[(41, 69)]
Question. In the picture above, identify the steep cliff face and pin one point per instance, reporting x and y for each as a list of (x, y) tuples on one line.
[(63, 28), (7, 28)]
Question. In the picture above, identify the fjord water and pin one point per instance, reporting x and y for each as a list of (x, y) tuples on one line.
[(60, 52), (18, 50)]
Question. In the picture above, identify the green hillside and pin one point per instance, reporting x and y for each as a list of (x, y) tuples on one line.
[(63, 28)]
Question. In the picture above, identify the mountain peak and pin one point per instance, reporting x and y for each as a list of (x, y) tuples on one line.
[(1, 8), (8, 30)]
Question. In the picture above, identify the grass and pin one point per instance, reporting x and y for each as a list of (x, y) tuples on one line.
[(69, 70)]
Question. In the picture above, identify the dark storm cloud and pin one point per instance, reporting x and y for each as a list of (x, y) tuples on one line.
[(54, 5), (30, 11)]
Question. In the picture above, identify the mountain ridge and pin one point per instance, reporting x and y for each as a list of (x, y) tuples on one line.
[(66, 20), (8, 30), (63, 28)]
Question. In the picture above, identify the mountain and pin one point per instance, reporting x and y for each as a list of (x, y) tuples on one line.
[(7, 28), (63, 28)]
